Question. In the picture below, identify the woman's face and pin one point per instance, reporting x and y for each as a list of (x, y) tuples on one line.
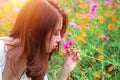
[(56, 37)]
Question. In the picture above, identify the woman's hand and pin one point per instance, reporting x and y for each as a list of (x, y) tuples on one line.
[(70, 59)]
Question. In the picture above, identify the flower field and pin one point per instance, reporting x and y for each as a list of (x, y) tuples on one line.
[(94, 29)]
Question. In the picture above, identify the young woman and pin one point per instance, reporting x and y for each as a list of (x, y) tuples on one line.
[(26, 51)]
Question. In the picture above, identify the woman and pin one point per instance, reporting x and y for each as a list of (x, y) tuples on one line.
[(36, 35)]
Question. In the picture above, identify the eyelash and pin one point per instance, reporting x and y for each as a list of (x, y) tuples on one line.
[(57, 33)]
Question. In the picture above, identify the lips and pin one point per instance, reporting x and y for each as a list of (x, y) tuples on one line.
[(54, 47)]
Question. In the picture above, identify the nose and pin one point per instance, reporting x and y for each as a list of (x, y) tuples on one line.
[(59, 38)]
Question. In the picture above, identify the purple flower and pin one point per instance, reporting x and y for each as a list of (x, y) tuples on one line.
[(93, 5), (92, 11), (104, 37), (107, 2), (92, 16), (63, 40), (67, 45), (93, 8), (75, 25), (68, 34)]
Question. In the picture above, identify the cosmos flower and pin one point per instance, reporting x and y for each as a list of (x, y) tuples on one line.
[(110, 69), (75, 25), (97, 76), (93, 60), (92, 16), (100, 57), (110, 26), (107, 2), (67, 33), (93, 8), (99, 49), (63, 40), (67, 45), (104, 37)]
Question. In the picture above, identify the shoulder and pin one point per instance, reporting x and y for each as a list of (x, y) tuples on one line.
[(2, 51), (2, 46), (2, 55), (4, 42)]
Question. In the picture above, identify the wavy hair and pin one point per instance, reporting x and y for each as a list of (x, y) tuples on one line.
[(34, 22)]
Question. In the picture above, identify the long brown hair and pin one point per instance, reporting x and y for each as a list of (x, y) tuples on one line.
[(34, 22)]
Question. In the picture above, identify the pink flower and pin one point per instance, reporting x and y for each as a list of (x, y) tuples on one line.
[(63, 40), (92, 16), (93, 5), (75, 25), (104, 37), (93, 8), (107, 2), (67, 45), (68, 34)]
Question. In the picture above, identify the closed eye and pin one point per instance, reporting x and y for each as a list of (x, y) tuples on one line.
[(57, 33)]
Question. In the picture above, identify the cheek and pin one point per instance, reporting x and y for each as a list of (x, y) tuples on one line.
[(53, 40)]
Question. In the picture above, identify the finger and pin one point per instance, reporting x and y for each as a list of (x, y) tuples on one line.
[(75, 52), (77, 57), (68, 52)]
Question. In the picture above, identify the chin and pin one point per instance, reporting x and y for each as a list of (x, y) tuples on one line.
[(51, 50)]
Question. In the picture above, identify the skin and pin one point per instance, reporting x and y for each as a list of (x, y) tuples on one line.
[(56, 37), (69, 63)]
